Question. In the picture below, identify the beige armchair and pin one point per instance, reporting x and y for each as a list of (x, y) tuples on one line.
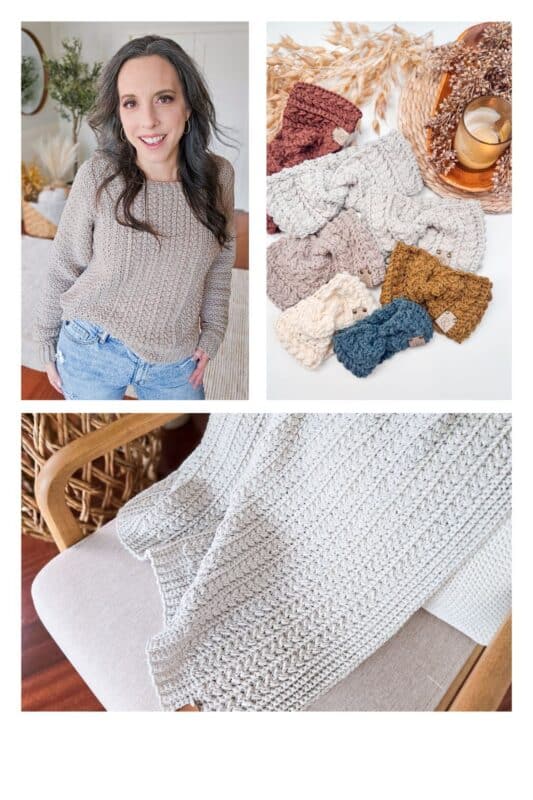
[(101, 606)]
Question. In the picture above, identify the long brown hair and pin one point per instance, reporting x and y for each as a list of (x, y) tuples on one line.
[(198, 167)]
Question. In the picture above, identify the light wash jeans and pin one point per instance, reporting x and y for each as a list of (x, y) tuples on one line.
[(93, 365)]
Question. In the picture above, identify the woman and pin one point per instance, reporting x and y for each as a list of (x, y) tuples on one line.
[(139, 277)]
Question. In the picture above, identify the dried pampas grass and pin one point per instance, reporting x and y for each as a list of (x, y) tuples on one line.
[(362, 66), (58, 155)]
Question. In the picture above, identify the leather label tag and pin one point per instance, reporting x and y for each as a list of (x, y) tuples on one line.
[(446, 321), (416, 341)]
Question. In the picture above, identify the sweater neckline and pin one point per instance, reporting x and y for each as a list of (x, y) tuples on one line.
[(151, 182)]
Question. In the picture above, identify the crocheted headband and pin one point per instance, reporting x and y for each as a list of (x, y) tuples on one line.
[(394, 327), (305, 330), (302, 199), (298, 267), (453, 230), (315, 122), (455, 300)]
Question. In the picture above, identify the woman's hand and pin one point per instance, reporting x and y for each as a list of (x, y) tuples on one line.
[(53, 376), (201, 359)]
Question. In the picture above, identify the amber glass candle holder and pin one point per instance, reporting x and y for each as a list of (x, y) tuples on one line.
[(484, 132)]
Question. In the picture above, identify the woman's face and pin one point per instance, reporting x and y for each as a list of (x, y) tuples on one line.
[(153, 110)]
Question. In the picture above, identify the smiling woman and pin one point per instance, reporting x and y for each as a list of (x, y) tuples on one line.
[(139, 278), (152, 117)]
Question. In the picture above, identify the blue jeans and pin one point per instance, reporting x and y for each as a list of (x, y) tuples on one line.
[(93, 365)]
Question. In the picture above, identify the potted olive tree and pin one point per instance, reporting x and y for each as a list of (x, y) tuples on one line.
[(72, 83)]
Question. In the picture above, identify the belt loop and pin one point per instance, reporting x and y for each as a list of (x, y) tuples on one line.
[(103, 337)]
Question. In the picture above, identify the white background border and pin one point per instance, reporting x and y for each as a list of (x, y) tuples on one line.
[(268, 755)]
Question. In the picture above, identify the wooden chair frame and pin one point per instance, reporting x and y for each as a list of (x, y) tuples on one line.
[(56, 472), (480, 685)]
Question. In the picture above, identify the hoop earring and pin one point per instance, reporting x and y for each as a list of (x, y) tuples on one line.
[(186, 131), (122, 135)]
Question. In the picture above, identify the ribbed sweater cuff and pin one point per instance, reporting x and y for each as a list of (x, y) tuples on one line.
[(209, 342), (47, 353)]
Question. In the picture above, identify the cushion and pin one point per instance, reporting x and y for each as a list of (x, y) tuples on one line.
[(101, 606)]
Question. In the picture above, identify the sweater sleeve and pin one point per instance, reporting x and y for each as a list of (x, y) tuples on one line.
[(214, 310), (71, 252)]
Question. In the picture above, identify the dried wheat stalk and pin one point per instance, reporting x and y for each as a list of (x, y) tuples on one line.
[(363, 66)]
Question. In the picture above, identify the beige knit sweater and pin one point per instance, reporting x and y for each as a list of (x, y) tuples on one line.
[(161, 302)]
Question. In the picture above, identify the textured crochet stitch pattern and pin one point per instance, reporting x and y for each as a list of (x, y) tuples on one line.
[(298, 267), (452, 230), (477, 598), (333, 529), (305, 330), (313, 121), (302, 199), (153, 298), (455, 300), (392, 328)]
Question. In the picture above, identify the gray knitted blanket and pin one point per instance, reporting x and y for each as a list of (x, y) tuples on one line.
[(289, 547)]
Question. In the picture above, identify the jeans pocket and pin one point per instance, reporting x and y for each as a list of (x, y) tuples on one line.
[(80, 331), (187, 364), (175, 374)]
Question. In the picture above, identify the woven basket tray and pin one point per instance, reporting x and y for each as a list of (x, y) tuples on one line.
[(415, 107), (97, 491), (35, 224)]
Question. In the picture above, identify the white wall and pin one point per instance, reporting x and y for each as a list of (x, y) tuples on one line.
[(219, 49)]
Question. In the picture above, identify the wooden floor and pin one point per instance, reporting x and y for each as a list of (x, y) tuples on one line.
[(34, 385)]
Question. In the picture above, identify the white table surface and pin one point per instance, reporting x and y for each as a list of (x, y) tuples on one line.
[(477, 369)]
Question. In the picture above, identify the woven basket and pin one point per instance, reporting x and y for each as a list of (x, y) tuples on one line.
[(97, 491), (414, 110), (35, 224)]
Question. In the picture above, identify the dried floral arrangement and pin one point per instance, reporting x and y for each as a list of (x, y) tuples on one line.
[(474, 71), (32, 181), (58, 156), (362, 66)]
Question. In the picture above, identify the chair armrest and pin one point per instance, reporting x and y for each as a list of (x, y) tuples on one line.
[(242, 234), (489, 680), (56, 472)]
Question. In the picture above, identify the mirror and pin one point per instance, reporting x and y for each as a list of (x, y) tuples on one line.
[(33, 74)]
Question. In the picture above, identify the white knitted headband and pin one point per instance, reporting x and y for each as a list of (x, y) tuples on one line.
[(302, 199), (452, 230), (305, 330)]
